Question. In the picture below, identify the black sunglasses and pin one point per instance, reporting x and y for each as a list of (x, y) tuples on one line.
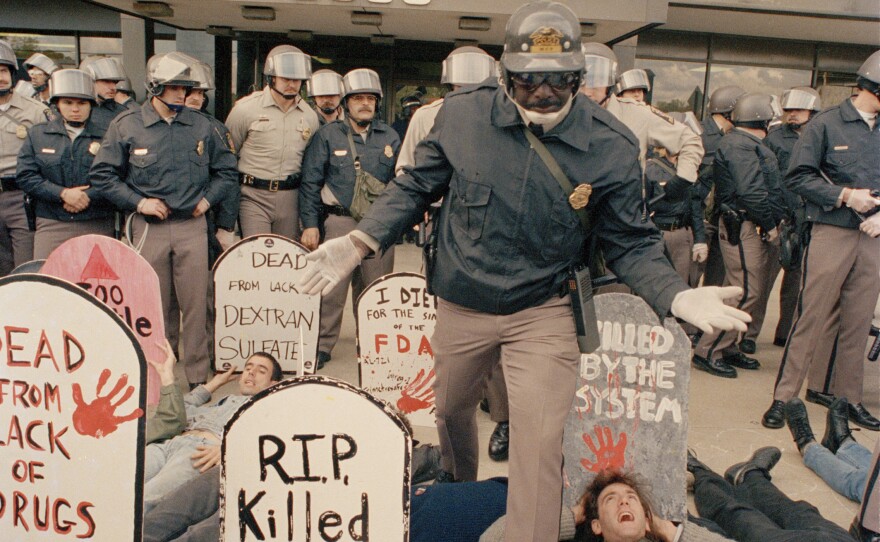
[(531, 81)]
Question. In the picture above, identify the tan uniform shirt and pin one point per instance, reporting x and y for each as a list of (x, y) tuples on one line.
[(655, 128), (419, 126), (14, 123), (270, 142)]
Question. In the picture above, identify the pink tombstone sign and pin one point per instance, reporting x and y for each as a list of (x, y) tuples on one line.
[(125, 282)]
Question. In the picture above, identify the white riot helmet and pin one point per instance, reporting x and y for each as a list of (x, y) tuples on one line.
[(41, 61), (72, 84), (289, 62), (467, 66), (124, 87), (801, 98), (362, 81), (633, 79), (170, 69), (103, 68), (7, 57), (24, 88), (325, 83), (203, 75), (601, 62)]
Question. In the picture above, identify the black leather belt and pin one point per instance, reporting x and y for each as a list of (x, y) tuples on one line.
[(337, 210), (290, 183), (671, 226), (8, 184)]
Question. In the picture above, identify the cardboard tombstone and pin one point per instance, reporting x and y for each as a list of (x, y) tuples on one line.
[(72, 397), (314, 458), (630, 407), (258, 309), (120, 277), (395, 323), (32, 266)]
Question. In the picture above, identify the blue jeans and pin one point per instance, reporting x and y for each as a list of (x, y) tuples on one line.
[(845, 471), (167, 466)]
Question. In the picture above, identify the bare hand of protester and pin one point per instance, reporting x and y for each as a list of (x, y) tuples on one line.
[(226, 238), (700, 252), (663, 528), (153, 207), (221, 379), (310, 238), (328, 265), (201, 208), (75, 199), (165, 369), (871, 226), (206, 457), (704, 307), (861, 201)]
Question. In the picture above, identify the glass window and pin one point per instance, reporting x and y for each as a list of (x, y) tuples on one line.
[(665, 44), (757, 79), (61, 49), (768, 52), (92, 46), (164, 46), (678, 86)]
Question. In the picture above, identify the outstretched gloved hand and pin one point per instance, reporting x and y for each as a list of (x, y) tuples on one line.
[(328, 265), (704, 307)]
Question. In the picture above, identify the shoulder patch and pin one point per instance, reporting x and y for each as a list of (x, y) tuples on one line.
[(662, 115)]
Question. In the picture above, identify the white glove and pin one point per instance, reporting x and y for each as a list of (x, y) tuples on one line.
[(328, 265), (700, 252), (704, 307)]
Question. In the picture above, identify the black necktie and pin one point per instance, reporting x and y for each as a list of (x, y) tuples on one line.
[(536, 129)]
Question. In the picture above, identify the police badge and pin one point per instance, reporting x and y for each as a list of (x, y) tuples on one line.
[(389, 152), (200, 148), (580, 196), (94, 147), (21, 131)]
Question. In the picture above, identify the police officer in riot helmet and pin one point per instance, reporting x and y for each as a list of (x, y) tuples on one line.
[(633, 84), (325, 88), (40, 68), (601, 72), (198, 97), (125, 95), (53, 167), (106, 72), (507, 235)]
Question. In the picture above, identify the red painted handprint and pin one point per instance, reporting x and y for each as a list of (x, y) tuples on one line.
[(98, 418), (417, 395), (608, 455)]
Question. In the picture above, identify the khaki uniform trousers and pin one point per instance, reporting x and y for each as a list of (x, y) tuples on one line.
[(679, 248), (51, 233), (264, 211), (537, 348), (333, 303), (744, 266), (177, 249), (771, 270), (840, 266), (16, 240), (496, 395)]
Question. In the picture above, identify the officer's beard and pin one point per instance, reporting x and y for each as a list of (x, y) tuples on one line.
[(285, 96), (41, 88), (6, 91), (547, 118), (328, 110), (363, 123)]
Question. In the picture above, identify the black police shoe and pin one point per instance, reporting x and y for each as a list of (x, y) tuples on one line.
[(747, 346), (837, 425), (717, 367), (738, 359), (323, 358), (499, 442), (774, 418), (799, 423), (824, 399), (860, 416), (762, 460)]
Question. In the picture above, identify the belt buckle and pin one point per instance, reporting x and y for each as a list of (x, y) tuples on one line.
[(248, 179), (273, 185)]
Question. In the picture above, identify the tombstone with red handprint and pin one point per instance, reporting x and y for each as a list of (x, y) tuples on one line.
[(74, 405), (630, 407)]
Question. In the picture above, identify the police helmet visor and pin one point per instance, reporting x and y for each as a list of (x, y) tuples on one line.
[(870, 68), (72, 84), (25, 88), (170, 70), (633, 79), (800, 99), (291, 65), (600, 72), (467, 69), (689, 119), (325, 83), (203, 75), (105, 69), (362, 81), (41, 61), (530, 82)]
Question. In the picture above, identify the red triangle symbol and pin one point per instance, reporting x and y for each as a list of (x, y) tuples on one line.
[(97, 267)]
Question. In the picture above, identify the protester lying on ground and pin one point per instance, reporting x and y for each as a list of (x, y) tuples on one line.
[(191, 513), (747, 505), (839, 460), (173, 462), (169, 418)]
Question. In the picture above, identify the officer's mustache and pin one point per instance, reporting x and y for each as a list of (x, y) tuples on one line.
[(545, 103)]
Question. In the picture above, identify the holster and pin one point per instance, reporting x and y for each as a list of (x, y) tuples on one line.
[(732, 223), (30, 211)]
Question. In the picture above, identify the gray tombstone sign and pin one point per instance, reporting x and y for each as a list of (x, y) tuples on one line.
[(314, 458), (258, 309), (630, 408)]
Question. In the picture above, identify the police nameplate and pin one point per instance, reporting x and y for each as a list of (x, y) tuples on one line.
[(580, 196)]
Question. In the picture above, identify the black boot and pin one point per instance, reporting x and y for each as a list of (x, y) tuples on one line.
[(717, 367), (748, 346), (824, 399), (738, 359), (499, 442), (799, 424), (762, 460), (837, 425), (774, 418), (859, 415)]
